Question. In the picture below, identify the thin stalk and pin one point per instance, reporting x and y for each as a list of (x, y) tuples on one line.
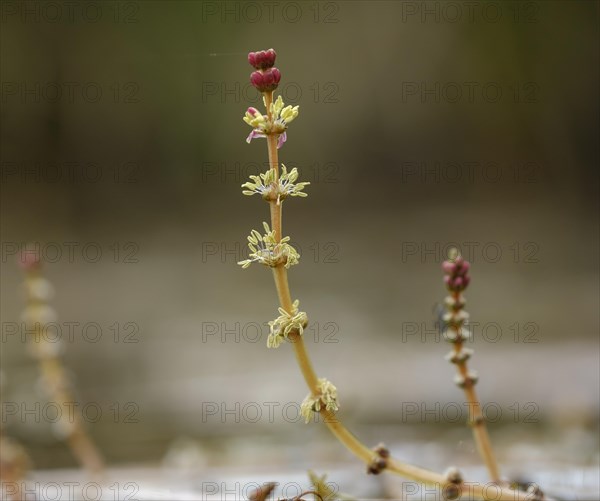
[(55, 376), (78, 440), (480, 433), (476, 418)]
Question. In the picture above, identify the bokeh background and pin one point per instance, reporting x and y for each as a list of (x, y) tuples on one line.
[(422, 125)]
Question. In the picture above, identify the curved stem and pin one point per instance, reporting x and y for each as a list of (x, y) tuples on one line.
[(490, 491), (304, 362), (352, 443)]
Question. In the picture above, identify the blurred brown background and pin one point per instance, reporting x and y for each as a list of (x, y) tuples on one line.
[(422, 125)]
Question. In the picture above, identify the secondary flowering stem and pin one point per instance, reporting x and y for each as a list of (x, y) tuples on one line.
[(457, 279), (38, 314)]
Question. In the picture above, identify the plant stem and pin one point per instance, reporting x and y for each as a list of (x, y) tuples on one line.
[(283, 289), (354, 445), (56, 380), (480, 433), (275, 207), (78, 440), (476, 418)]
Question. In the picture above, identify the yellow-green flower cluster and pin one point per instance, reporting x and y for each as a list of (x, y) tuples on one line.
[(283, 113), (327, 399), (262, 126), (264, 185), (266, 250), (255, 119), (285, 323)]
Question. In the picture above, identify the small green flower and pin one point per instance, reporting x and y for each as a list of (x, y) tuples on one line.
[(264, 185), (281, 116), (260, 185), (327, 399), (286, 323), (266, 250), (255, 118)]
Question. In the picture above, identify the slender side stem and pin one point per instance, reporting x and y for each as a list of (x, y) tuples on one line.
[(476, 418), (78, 440), (354, 445), (54, 375), (480, 433), (14, 465)]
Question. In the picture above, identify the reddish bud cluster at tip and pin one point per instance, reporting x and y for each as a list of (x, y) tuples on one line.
[(262, 59), (456, 274), (266, 81), (29, 261), (267, 77)]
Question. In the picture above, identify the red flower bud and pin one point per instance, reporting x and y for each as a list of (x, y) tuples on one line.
[(463, 268), (449, 267), (29, 261), (266, 81), (256, 79), (262, 59)]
